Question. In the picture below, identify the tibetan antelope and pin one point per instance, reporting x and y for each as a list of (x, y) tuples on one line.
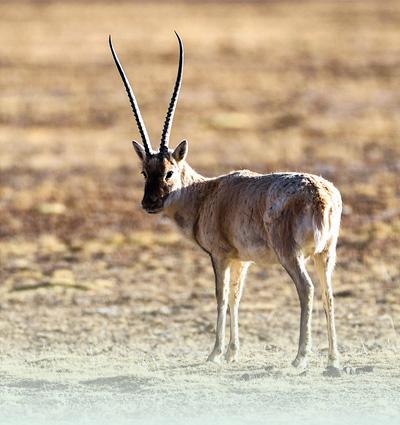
[(242, 217)]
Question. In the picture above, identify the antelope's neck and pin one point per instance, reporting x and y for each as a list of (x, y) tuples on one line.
[(184, 204)]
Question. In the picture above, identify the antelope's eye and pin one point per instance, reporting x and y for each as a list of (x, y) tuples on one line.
[(143, 173), (169, 175)]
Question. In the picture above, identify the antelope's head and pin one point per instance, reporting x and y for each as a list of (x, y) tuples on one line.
[(161, 169)]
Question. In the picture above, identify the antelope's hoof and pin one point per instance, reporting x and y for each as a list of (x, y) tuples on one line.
[(332, 372), (300, 362), (335, 363), (215, 356), (231, 356)]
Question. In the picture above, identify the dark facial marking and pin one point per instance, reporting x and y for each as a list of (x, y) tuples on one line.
[(156, 188)]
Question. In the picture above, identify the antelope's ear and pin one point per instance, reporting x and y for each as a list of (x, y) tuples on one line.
[(180, 151), (139, 149)]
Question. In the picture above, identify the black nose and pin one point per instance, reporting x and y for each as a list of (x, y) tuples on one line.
[(151, 201)]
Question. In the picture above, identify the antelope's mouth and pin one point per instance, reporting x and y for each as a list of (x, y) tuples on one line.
[(157, 207), (153, 210)]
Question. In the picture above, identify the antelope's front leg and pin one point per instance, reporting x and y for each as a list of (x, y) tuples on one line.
[(238, 275), (222, 276)]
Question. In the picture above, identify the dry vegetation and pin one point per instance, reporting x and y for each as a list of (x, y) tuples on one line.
[(99, 300)]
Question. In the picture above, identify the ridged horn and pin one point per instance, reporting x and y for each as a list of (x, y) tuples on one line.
[(132, 99), (174, 99)]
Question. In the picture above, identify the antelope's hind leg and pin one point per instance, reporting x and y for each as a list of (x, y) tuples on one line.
[(222, 277), (324, 264), (238, 276), (305, 290)]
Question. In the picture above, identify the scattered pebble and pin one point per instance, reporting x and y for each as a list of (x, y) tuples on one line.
[(108, 311), (349, 370), (245, 377), (364, 369), (165, 310), (358, 370)]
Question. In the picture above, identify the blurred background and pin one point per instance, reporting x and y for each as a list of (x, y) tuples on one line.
[(308, 86)]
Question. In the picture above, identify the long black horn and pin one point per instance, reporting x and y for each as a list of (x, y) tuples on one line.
[(174, 99), (134, 104)]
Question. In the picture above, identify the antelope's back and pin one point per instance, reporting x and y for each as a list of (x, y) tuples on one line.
[(247, 213)]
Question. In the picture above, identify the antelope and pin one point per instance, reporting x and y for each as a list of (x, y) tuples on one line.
[(244, 217)]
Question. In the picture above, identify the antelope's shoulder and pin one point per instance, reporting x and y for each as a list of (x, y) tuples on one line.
[(236, 179), (238, 176)]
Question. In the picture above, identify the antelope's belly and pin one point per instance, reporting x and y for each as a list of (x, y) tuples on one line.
[(253, 247)]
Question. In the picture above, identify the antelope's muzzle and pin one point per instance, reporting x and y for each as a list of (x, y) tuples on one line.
[(153, 204)]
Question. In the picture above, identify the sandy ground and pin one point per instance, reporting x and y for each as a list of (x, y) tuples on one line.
[(129, 345), (106, 314)]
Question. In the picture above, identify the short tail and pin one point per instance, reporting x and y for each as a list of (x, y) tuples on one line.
[(326, 217)]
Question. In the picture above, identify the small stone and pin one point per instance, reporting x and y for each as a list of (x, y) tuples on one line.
[(165, 310), (245, 377), (108, 311), (349, 370), (364, 369)]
